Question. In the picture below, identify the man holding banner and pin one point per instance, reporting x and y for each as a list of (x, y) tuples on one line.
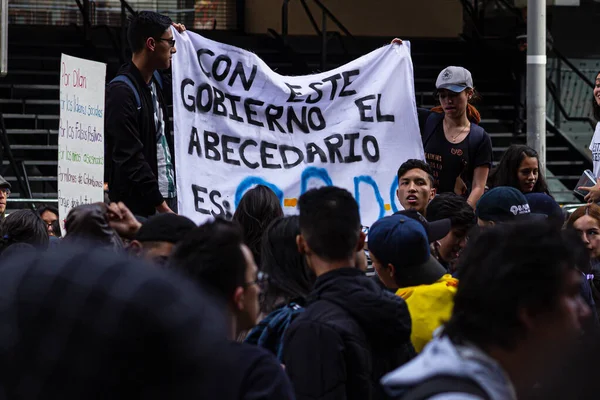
[(139, 147)]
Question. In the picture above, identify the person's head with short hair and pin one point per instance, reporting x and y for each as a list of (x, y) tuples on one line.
[(415, 185), (258, 207), (586, 222), (330, 229), (151, 39), (23, 226), (215, 256), (500, 205), (399, 249), (289, 278), (518, 298), (519, 168), (462, 219), (49, 215), (159, 235)]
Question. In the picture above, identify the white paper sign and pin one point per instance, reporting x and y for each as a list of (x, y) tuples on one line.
[(238, 124), (80, 134)]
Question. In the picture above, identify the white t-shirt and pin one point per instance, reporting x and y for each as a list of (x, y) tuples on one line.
[(595, 149)]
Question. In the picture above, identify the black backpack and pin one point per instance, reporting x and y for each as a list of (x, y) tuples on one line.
[(443, 384)]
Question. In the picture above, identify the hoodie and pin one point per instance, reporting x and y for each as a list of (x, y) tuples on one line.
[(350, 334), (430, 306), (441, 357)]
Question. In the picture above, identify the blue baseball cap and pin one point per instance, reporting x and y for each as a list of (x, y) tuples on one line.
[(504, 204), (542, 203), (402, 241)]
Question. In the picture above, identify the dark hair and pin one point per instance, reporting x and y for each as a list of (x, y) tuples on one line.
[(415, 164), (506, 172), (45, 207), (144, 25), (289, 276), (505, 269), (56, 224), (453, 206), (330, 222), (595, 105), (23, 226), (257, 209), (212, 256)]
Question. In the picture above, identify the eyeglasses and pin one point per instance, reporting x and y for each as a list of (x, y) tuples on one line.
[(6, 191), (261, 278), (170, 41)]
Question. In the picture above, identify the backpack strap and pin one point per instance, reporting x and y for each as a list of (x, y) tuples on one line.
[(432, 121), (444, 384), (475, 137), (125, 79), (158, 78)]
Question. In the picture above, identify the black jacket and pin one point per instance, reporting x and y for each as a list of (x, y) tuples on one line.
[(130, 146), (351, 333)]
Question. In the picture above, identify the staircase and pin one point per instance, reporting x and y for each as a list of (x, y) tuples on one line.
[(29, 93)]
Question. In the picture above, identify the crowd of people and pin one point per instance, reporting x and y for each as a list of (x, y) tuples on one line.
[(482, 287)]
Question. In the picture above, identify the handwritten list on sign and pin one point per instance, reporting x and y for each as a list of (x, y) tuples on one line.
[(80, 134)]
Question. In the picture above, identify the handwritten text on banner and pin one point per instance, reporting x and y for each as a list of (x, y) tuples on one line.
[(238, 124), (80, 134)]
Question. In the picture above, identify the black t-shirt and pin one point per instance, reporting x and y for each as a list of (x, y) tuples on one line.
[(260, 376), (450, 161)]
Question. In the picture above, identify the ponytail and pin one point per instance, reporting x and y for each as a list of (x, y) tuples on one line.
[(472, 113)]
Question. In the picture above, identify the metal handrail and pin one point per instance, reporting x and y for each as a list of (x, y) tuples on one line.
[(21, 200), (552, 90), (326, 14), (577, 71)]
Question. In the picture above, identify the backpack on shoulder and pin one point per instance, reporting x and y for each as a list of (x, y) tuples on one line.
[(125, 79)]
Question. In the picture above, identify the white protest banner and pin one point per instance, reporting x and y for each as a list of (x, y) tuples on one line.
[(80, 134), (239, 124)]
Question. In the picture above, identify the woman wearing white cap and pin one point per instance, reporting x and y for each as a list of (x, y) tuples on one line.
[(458, 150)]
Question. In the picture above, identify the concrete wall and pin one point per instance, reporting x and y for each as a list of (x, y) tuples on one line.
[(402, 18)]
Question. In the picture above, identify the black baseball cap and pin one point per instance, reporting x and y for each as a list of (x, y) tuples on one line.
[(435, 230), (504, 204), (402, 241), (167, 227)]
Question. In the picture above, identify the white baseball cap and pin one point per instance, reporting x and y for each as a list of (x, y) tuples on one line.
[(455, 79)]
